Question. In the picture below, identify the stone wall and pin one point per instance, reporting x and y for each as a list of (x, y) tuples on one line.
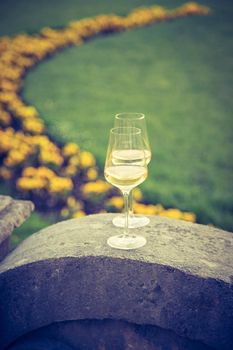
[(181, 280)]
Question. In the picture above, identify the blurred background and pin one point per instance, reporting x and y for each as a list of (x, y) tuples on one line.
[(179, 73)]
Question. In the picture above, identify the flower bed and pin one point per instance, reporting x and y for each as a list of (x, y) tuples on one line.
[(60, 177)]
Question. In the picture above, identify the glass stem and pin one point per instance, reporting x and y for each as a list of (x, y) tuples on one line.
[(131, 203), (126, 205)]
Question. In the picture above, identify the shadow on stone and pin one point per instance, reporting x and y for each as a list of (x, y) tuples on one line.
[(104, 335)]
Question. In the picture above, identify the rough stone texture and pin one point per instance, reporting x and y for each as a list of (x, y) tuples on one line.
[(12, 214), (181, 280), (104, 335)]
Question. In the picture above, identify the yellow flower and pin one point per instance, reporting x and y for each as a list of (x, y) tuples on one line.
[(60, 184), (189, 217), (116, 202), (74, 161), (86, 159), (192, 8), (97, 187), (159, 12), (25, 62), (64, 212), (5, 173), (137, 194), (27, 112), (46, 172), (71, 201), (53, 157), (78, 206), (70, 170), (41, 140), (78, 214), (5, 118), (72, 37), (158, 209), (28, 183), (92, 174), (29, 172), (143, 209), (33, 125), (14, 158), (70, 149), (49, 152), (7, 97), (172, 213), (8, 85)]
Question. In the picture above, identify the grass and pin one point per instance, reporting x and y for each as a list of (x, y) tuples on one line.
[(33, 224), (178, 73)]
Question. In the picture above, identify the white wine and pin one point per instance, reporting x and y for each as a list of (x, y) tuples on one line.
[(132, 155), (125, 177)]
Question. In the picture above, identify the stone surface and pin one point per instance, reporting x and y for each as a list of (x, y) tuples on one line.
[(12, 214), (181, 280), (104, 335)]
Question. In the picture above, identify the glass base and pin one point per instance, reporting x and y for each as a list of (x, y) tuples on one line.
[(126, 242), (134, 221)]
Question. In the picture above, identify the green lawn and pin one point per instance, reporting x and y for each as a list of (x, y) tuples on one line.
[(178, 73), (35, 223)]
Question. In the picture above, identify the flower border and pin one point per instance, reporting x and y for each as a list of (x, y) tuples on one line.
[(56, 177)]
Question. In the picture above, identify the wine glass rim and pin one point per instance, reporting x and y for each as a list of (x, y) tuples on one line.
[(120, 130), (132, 115)]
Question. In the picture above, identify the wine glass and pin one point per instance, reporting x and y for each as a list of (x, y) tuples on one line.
[(137, 120), (126, 173)]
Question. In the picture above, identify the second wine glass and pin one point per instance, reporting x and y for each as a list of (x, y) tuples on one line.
[(135, 120)]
